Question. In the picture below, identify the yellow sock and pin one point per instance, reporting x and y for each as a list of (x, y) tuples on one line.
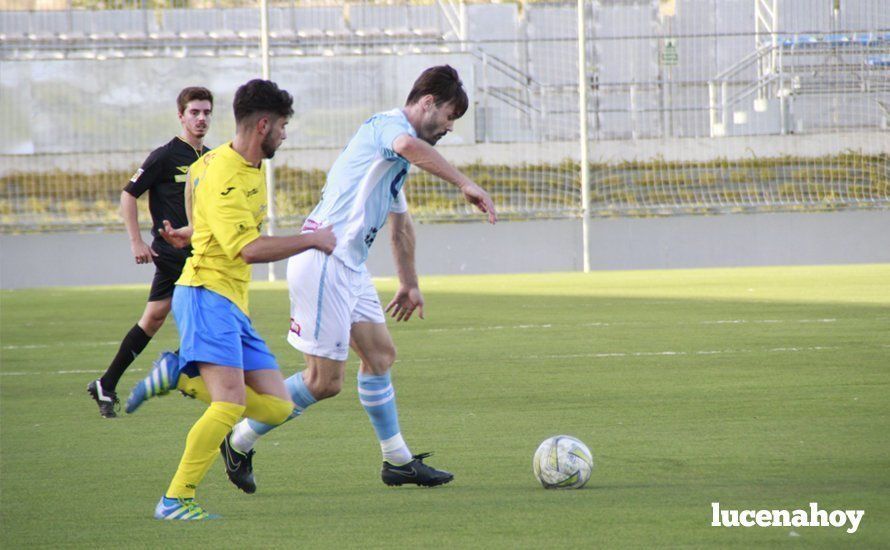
[(202, 447), (261, 407), (267, 408), (194, 387)]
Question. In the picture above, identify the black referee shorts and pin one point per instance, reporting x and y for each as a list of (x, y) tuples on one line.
[(168, 268)]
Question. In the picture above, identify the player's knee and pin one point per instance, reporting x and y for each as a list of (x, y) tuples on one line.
[(382, 361), (323, 389), (331, 389), (152, 320), (154, 323), (389, 357)]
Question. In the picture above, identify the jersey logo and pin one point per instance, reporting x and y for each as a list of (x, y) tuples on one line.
[(183, 169), (227, 191), (253, 192), (396, 184), (369, 238), (135, 177)]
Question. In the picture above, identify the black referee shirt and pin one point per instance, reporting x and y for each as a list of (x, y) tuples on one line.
[(163, 174)]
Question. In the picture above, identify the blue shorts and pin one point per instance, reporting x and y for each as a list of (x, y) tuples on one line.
[(213, 330)]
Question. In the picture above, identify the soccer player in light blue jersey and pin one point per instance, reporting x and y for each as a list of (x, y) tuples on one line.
[(334, 304)]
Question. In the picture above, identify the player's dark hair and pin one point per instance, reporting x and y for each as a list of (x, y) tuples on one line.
[(193, 93), (262, 96), (444, 84)]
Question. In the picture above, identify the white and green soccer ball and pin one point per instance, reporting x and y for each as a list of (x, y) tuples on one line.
[(562, 462)]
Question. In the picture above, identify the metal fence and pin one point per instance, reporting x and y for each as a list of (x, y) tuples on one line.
[(692, 106)]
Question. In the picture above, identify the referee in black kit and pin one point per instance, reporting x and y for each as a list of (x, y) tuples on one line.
[(163, 174)]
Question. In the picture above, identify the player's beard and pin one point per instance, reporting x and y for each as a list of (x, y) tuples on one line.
[(268, 146), (431, 134)]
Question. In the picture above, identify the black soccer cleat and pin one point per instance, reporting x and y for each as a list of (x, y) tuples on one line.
[(108, 402), (239, 466), (415, 472)]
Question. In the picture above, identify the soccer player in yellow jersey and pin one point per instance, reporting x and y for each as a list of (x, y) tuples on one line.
[(221, 358)]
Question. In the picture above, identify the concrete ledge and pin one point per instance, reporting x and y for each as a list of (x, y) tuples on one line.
[(60, 259)]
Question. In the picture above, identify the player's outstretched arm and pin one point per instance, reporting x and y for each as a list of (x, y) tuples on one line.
[(180, 237), (265, 249), (142, 253), (424, 156), (408, 298)]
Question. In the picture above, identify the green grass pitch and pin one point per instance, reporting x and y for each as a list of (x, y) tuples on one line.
[(764, 388)]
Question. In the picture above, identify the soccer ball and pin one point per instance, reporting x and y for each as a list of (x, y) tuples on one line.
[(562, 462)]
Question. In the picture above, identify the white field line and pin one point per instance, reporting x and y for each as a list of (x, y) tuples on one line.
[(631, 323), (670, 353), (64, 345), (96, 371), (602, 355), (683, 353), (489, 328)]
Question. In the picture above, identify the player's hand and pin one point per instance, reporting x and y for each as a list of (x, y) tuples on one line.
[(142, 252), (478, 197), (325, 240), (177, 238), (403, 304)]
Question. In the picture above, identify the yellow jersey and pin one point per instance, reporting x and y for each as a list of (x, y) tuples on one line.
[(228, 209)]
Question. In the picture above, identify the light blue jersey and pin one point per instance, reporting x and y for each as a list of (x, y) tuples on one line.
[(363, 186)]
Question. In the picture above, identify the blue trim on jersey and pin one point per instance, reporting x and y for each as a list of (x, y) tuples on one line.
[(324, 270)]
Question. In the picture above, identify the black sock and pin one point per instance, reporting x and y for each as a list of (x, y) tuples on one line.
[(131, 346)]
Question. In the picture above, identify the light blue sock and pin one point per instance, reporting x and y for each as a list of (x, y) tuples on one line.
[(299, 394), (377, 396)]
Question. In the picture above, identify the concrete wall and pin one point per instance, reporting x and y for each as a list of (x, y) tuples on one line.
[(537, 246)]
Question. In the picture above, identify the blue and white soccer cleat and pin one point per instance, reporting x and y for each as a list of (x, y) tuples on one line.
[(163, 377), (181, 509)]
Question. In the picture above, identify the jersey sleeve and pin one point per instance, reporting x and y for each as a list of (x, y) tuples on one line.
[(149, 174), (230, 219), (400, 204), (388, 129)]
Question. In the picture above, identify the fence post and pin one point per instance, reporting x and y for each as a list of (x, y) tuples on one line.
[(270, 168), (712, 106), (634, 119), (585, 169)]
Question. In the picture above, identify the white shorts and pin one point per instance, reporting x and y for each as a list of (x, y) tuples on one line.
[(326, 298)]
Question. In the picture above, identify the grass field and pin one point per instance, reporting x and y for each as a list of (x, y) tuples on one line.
[(756, 388)]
